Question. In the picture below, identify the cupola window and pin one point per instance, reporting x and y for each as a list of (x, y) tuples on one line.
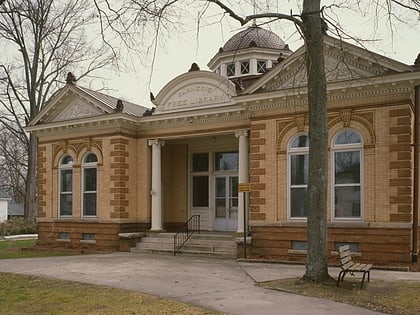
[(230, 69), (261, 66), (244, 67)]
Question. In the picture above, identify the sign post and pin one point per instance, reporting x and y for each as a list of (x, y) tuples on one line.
[(244, 188)]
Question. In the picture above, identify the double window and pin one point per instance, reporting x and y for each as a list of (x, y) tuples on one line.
[(89, 186), (346, 176)]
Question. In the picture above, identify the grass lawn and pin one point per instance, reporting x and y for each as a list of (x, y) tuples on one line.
[(20, 294), (24, 249), (392, 297)]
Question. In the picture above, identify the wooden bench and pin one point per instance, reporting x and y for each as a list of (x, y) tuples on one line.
[(348, 266)]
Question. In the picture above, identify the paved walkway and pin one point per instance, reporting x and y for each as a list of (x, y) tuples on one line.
[(219, 284)]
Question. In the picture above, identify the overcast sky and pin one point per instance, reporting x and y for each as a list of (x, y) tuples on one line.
[(184, 47)]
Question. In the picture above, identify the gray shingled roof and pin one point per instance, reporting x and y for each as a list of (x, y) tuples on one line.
[(3, 194), (111, 102), (254, 36)]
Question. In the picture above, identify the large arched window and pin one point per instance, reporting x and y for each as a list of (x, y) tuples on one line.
[(298, 176), (90, 183), (347, 161), (66, 186)]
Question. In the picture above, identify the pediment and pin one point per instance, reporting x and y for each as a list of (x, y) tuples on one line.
[(194, 90), (77, 109), (343, 62), (70, 103)]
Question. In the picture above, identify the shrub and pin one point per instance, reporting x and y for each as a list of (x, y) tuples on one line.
[(16, 226)]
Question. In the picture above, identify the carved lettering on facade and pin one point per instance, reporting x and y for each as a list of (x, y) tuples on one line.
[(196, 95)]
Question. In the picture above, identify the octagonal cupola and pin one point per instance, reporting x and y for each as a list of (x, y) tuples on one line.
[(249, 54)]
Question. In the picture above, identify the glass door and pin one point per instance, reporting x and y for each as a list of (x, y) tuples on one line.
[(226, 203)]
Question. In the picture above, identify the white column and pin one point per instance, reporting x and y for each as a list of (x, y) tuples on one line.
[(156, 192), (243, 175)]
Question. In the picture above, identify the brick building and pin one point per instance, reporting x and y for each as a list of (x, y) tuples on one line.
[(107, 166)]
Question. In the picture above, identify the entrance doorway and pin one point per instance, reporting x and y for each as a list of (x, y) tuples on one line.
[(226, 203)]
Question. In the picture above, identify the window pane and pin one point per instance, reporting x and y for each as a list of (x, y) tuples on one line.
[(348, 137), (200, 162), (226, 161), (91, 158), (66, 204), (300, 142), (347, 202), (66, 181), (200, 191), (67, 160), (90, 179), (347, 167), (298, 202), (299, 169), (89, 204)]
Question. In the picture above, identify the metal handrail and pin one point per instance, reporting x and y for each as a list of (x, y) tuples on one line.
[(191, 226)]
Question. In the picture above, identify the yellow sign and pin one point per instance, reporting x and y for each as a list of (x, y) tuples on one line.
[(244, 187)]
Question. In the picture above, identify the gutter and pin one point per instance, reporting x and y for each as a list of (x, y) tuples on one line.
[(415, 241)]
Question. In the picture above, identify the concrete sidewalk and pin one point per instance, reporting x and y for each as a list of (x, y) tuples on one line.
[(219, 284)]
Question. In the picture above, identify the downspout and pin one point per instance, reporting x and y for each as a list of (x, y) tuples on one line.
[(414, 252)]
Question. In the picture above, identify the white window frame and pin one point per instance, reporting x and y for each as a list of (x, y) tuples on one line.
[(89, 165), (228, 69), (259, 67), (245, 64), (292, 152), (65, 167), (352, 147)]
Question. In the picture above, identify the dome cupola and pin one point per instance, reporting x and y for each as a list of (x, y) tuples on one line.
[(248, 54)]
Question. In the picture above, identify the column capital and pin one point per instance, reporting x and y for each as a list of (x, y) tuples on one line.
[(241, 133), (159, 142)]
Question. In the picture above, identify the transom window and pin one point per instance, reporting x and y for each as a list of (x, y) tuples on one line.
[(244, 67), (230, 69), (261, 66), (90, 179), (298, 176), (347, 155), (66, 186)]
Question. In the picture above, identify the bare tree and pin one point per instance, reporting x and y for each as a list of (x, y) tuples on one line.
[(13, 161), (42, 40)]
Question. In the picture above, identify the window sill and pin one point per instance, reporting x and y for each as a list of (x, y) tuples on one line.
[(63, 240), (88, 241), (297, 251)]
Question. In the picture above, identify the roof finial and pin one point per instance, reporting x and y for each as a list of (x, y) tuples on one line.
[(120, 106), (254, 21), (71, 79)]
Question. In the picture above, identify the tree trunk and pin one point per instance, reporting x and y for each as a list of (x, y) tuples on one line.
[(31, 202), (316, 259)]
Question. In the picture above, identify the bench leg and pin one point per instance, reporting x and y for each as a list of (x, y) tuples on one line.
[(341, 277), (363, 279)]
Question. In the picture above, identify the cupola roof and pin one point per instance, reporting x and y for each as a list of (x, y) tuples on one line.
[(254, 36)]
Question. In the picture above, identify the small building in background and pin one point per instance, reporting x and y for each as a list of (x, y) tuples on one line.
[(4, 203)]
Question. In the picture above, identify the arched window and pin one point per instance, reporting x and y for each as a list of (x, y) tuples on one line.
[(66, 186), (90, 183), (298, 176), (347, 161)]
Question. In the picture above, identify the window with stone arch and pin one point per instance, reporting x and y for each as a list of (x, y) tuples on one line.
[(89, 184), (298, 163), (66, 186), (347, 175)]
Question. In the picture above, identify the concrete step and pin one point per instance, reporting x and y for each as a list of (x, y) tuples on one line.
[(211, 245)]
